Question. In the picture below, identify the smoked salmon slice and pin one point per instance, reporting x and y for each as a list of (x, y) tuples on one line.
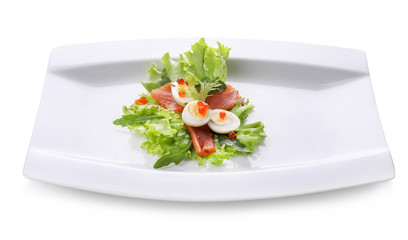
[(165, 98), (225, 100), (202, 140)]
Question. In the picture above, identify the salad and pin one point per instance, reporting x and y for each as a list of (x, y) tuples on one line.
[(190, 112)]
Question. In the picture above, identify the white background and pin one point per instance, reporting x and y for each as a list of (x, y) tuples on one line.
[(32, 210)]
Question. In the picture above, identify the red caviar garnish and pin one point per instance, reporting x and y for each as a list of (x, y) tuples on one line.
[(140, 101), (222, 114), (202, 107), (202, 110), (143, 100), (181, 81), (181, 94), (232, 135)]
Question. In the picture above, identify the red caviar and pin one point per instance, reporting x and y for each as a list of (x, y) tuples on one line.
[(141, 101), (201, 110), (202, 107), (181, 94), (222, 114), (232, 135), (181, 81)]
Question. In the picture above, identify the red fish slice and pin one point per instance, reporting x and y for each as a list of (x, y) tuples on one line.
[(202, 140), (165, 98), (225, 100)]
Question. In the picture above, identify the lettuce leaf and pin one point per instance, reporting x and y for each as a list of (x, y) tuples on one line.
[(156, 78), (217, 158), (177, 154), (213, 86), (251, 135), (134, 119), (203, 67), (237, 146), (195, 58), (163, 129), (174, 69), (194, 86), (215, 65), (224, 51), (242, 111)]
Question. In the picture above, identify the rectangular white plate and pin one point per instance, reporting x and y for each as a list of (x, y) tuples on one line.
[(316, 102)]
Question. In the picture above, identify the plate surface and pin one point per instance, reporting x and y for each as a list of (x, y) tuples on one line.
[(316, 102)]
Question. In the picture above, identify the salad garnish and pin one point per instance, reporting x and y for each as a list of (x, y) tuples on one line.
[(190, 112)]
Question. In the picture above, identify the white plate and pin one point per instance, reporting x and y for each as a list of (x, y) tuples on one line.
[(316, 102)]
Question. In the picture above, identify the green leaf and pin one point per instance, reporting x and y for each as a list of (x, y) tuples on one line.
[(215, 65), (216, 158), (224, 51), (251, 135), (155, 79), (174, 69), (202, 64), (176, 155), (132, 119), (224, 140), (195, 58), (194, 85), (214, 86), (162, 128), (242, 111)]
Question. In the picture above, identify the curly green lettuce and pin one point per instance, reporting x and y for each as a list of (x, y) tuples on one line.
[(203, 67), (251, 135), (163, 129), (242, 111), (156, 79), (222, 153)]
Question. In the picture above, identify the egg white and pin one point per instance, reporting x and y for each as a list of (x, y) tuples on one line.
[(191, 116), (175, 92), (230, 123)]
